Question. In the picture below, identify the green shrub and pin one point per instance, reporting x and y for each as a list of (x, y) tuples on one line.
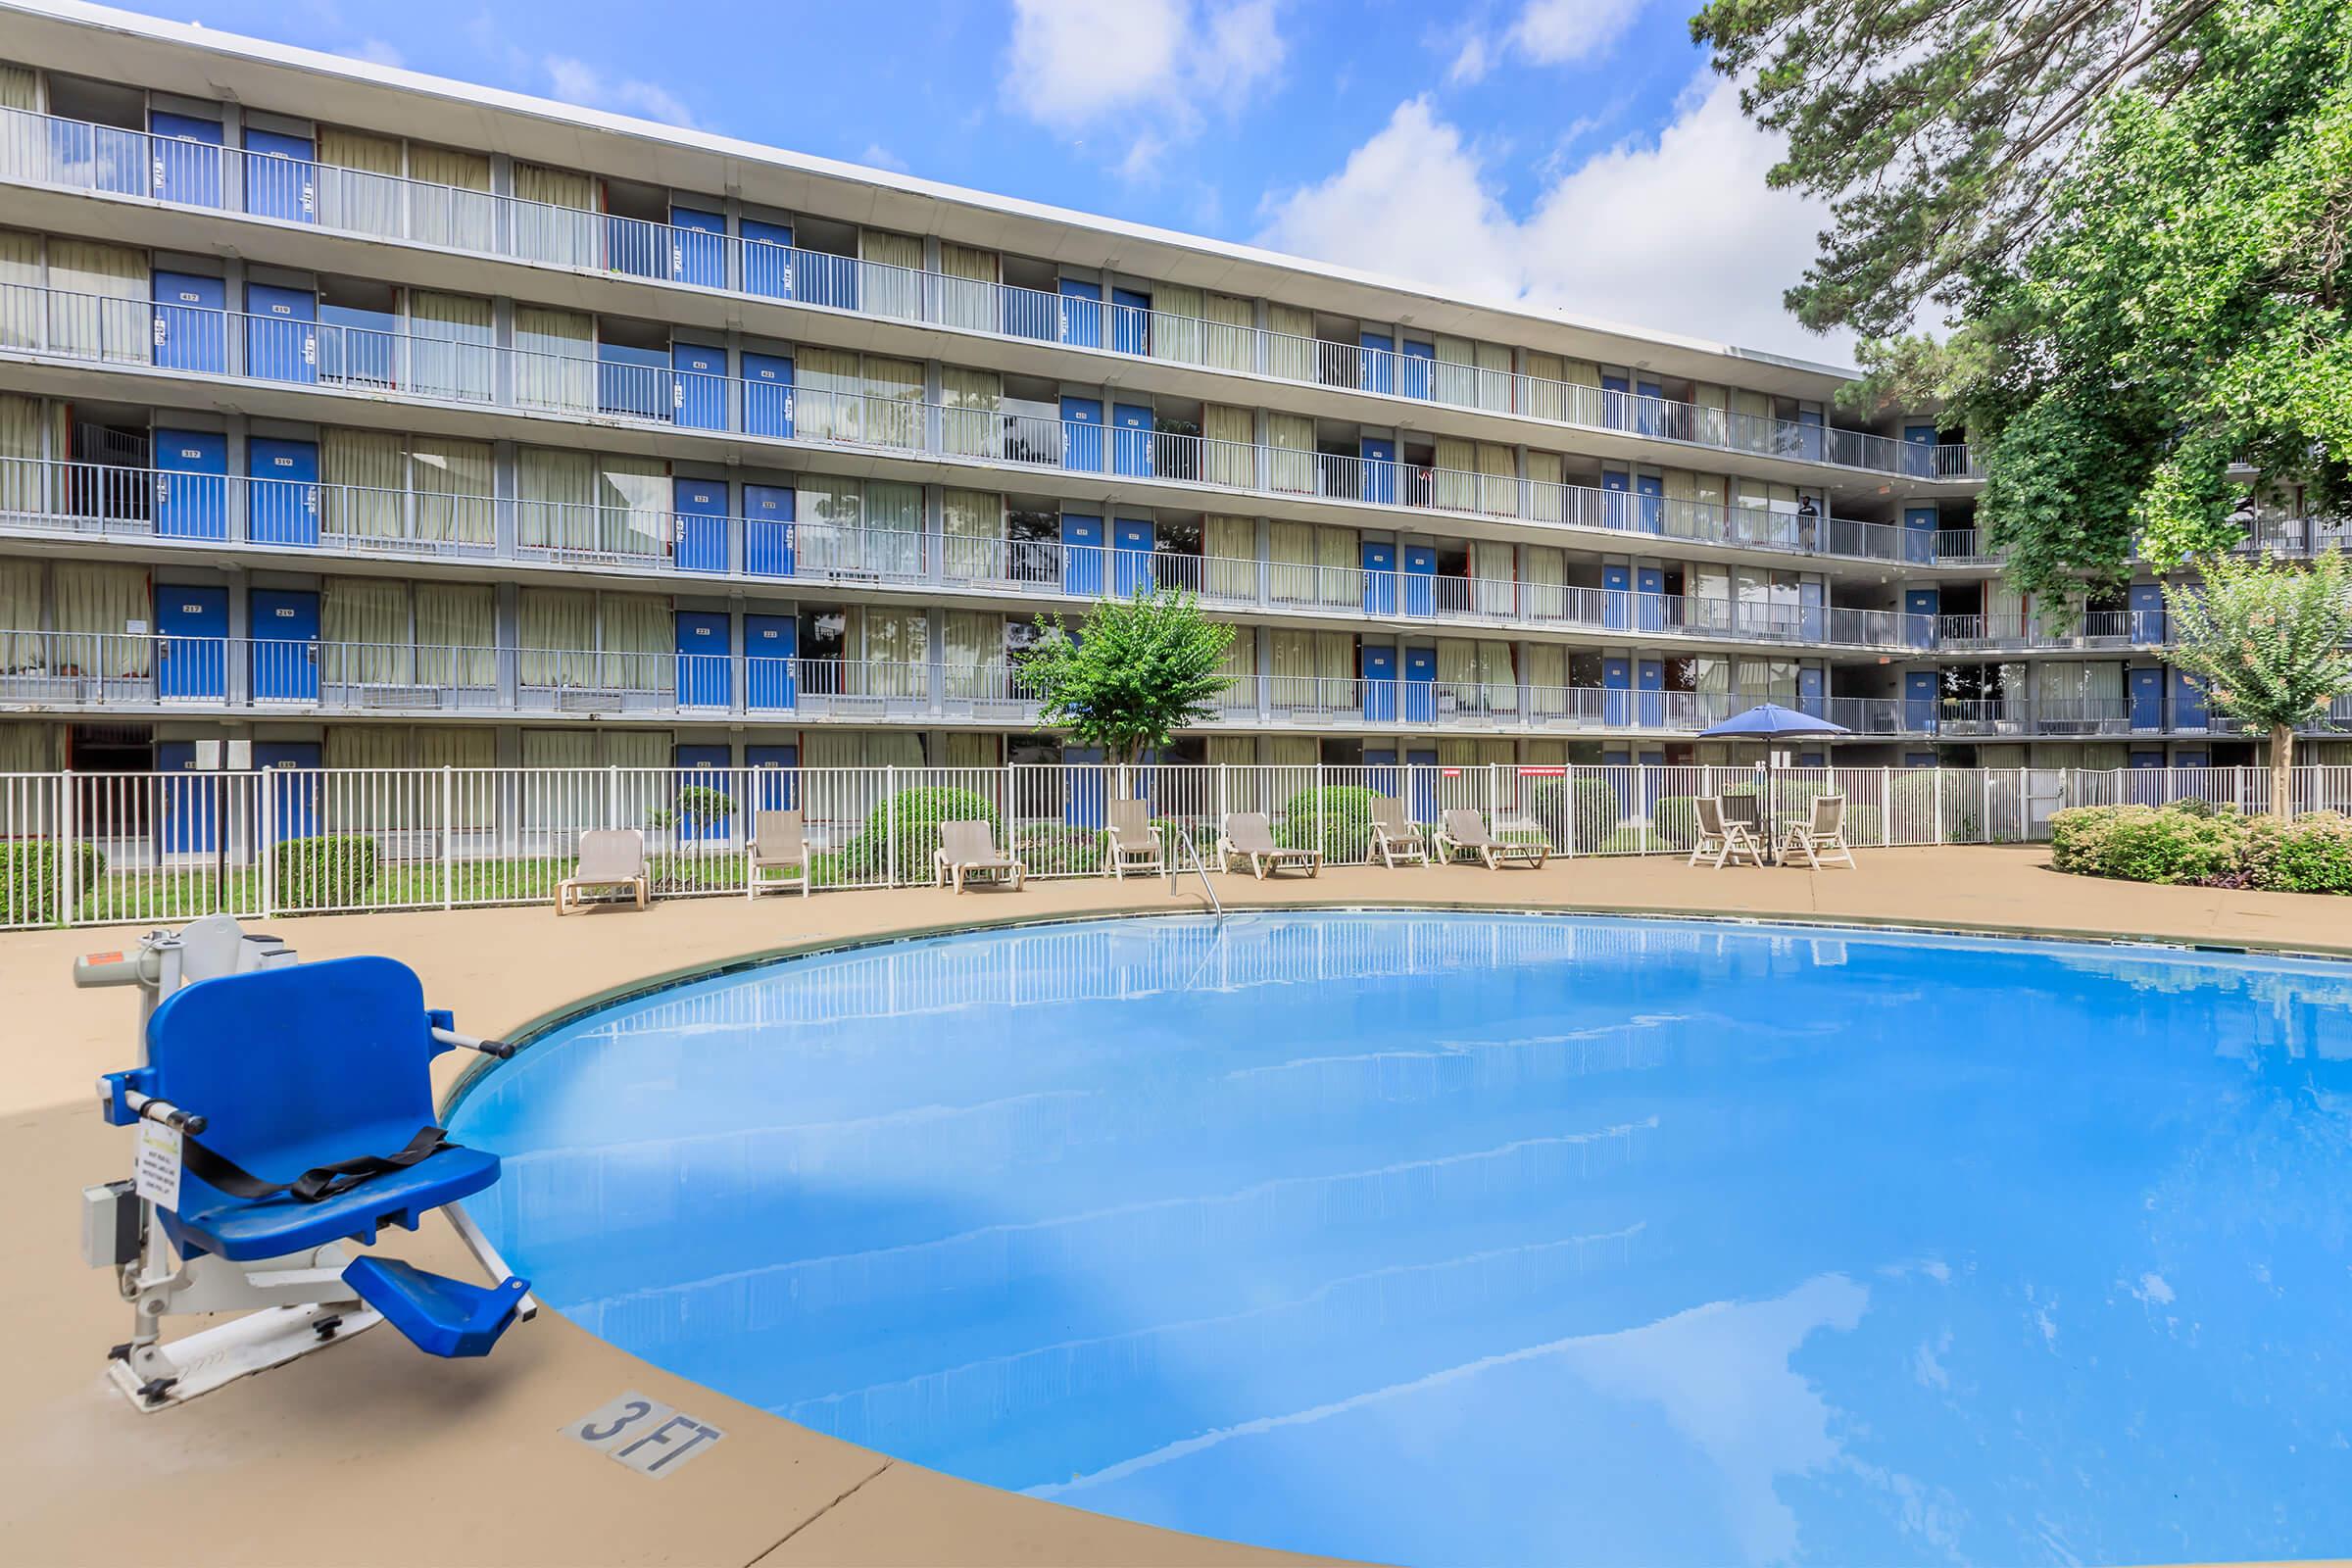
[(2190, 805), (2311, 854), (1347, 822), (28, 884), (1049, 849), (1584, 818), (2146, 843), (324, 872), (916, 815)]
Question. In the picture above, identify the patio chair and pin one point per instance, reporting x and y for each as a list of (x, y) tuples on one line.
[(1247, 837), (1397, 838), (1723, 839), (1819, 841), (1464, 830), (610, 857), (967, 852), (779, 843), (1131, 841)]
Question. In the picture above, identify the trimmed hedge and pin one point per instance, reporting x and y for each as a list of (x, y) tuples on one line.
[(1347, 822), (324, 871), (28, 887), (1586, 821), (2195, 844), (918, 813)]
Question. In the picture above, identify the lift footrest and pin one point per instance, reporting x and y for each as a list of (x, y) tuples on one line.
[(440, 1316)]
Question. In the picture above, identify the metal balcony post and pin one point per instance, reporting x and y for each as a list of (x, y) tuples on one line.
[(449, 836), (890, 824)]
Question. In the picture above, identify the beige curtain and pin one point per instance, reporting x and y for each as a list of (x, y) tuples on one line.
[(968, 289), (638, 748), (892, 284), (1290, 750), (368, 746), (894, 521), (829, 396), (965, 750), (451, 482), (1711, 414), (1495, 378), (98, 307), (1491, 565), (893, 404), (365, 621), (633, 500), (1752, 428), (1583, 395), (969, 402), (1231, 455), (451, 205), (1547, 677), (362, 472), (1681, 516), (1230, 339), (456, 634), (1454, 376), (453, 348), (556, 630), (555, 359), (29, 749), (1457, 663), (1292, 437), (640, 643), (1236, 751), (555, 216), (974, 652), (554, 499), (19, 89), (102, 598), (829, 534), (1454, 488), (1334, 663), (1498, 479), (1290, 343), (1176, 326), (1547, 487), (896, 645), (972, 523), (360, 185), (20, 640), (1545, 386), (1546, 570), (1292, 667), (1231, 545), (559, 748), (21, 297), (1340, 557), (1290, 546), (22, 475)]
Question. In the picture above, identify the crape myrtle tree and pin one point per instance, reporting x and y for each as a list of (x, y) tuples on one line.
[(1137, 671), (2270, 644)]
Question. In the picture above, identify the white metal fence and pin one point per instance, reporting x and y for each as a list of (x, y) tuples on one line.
[(94, 849)]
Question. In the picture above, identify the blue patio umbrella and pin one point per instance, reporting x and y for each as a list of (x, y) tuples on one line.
[(1769, 722)]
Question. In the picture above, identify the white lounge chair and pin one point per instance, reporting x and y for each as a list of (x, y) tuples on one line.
[(1819, 841), (779, 843), (1131, 841), (1396, 838), (610, 857), (967, 852), (1250, 837), (1464, 830), (1722, 839)]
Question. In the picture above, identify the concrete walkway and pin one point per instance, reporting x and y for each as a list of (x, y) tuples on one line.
[(371, 1453)]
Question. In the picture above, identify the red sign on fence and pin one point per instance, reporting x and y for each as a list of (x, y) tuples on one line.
[(1450, 772)]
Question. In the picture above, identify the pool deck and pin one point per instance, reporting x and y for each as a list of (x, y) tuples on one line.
[(373, 1454)]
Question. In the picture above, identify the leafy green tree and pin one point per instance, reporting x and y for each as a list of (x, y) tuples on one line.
[(1136, 673), (2269, 640)]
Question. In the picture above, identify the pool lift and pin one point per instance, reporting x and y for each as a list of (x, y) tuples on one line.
[(310, 1075)]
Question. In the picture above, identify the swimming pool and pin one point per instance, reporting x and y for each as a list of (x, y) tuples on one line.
[(1465, 1237)]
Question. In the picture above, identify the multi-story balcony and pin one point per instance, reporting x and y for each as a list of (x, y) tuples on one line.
[(270, 188)]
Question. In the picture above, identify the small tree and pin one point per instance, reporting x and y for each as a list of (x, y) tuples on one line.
[(1136, 673), (2269, 640)]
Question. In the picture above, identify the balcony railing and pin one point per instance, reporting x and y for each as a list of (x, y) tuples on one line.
[(75, 155)]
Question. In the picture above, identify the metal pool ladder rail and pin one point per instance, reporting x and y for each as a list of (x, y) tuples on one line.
[(1178, 837)]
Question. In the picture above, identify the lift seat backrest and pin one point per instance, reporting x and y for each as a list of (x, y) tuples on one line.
[(296, 1065)]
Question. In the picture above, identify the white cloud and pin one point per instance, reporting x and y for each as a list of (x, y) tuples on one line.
[(1076, 63), (576, 81), (877, 156), (1677, 235), (1472, 63), (378, 52), (1555, 33)]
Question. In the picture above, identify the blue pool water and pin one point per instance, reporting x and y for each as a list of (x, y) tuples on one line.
[(1470, 1239)]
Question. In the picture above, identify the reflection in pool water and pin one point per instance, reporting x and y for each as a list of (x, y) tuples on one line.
[(1447, 1239)]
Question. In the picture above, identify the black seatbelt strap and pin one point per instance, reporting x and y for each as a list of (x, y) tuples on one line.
[(313, 1185)]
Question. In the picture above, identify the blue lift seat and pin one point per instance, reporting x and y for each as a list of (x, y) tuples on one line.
[(296, 1067)]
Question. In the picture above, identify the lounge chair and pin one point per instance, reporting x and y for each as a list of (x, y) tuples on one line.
[(1723, 839), (1464, 830), (1131, 841), (610, 857), (1247, 837), (779, 843), (967, 851), (1819, 841), (1394, 837)]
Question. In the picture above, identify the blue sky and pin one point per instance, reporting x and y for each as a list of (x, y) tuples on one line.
[(1568, 152)]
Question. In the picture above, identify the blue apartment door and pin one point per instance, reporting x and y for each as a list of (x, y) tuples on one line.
[(188, 804), (1651, 510), (1082, 435), (698, 248), (1423, 770), (1919, 449), (767, 257), (284, 639), (2146, 601), (1414, 366), (702, 508), (767, 530), (1131, 440), (1919, 534), (1379, 456), (702, 662), (1809, 699), (1650, 603), (1613, 390), (1615, 509), (1081, 555), (2188, 703), (293, 794), (1649, 680), (701, 380), (1131, 559), (1921, 606), (1130, 321), (703, 768), (1616, 692), (1919, 702), (281, 177), (1616, 584), (191, 651), (1380, 685), (1081, 314), (191, 484), (1809, 424), (1649, 414), (1380, 579), (1378, 363), (1082, 803), (770, 644), (283, 497), (775, 776), (2147, 699), (186, 159), (1420, 685), (1380, 764), (191, 325), (768, 394), (1420, 580), (1812, 612), (281, 334)]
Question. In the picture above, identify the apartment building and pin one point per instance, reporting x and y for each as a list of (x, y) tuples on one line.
[(356, 418)]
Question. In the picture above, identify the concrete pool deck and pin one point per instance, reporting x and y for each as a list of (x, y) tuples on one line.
[(374, 1454)]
